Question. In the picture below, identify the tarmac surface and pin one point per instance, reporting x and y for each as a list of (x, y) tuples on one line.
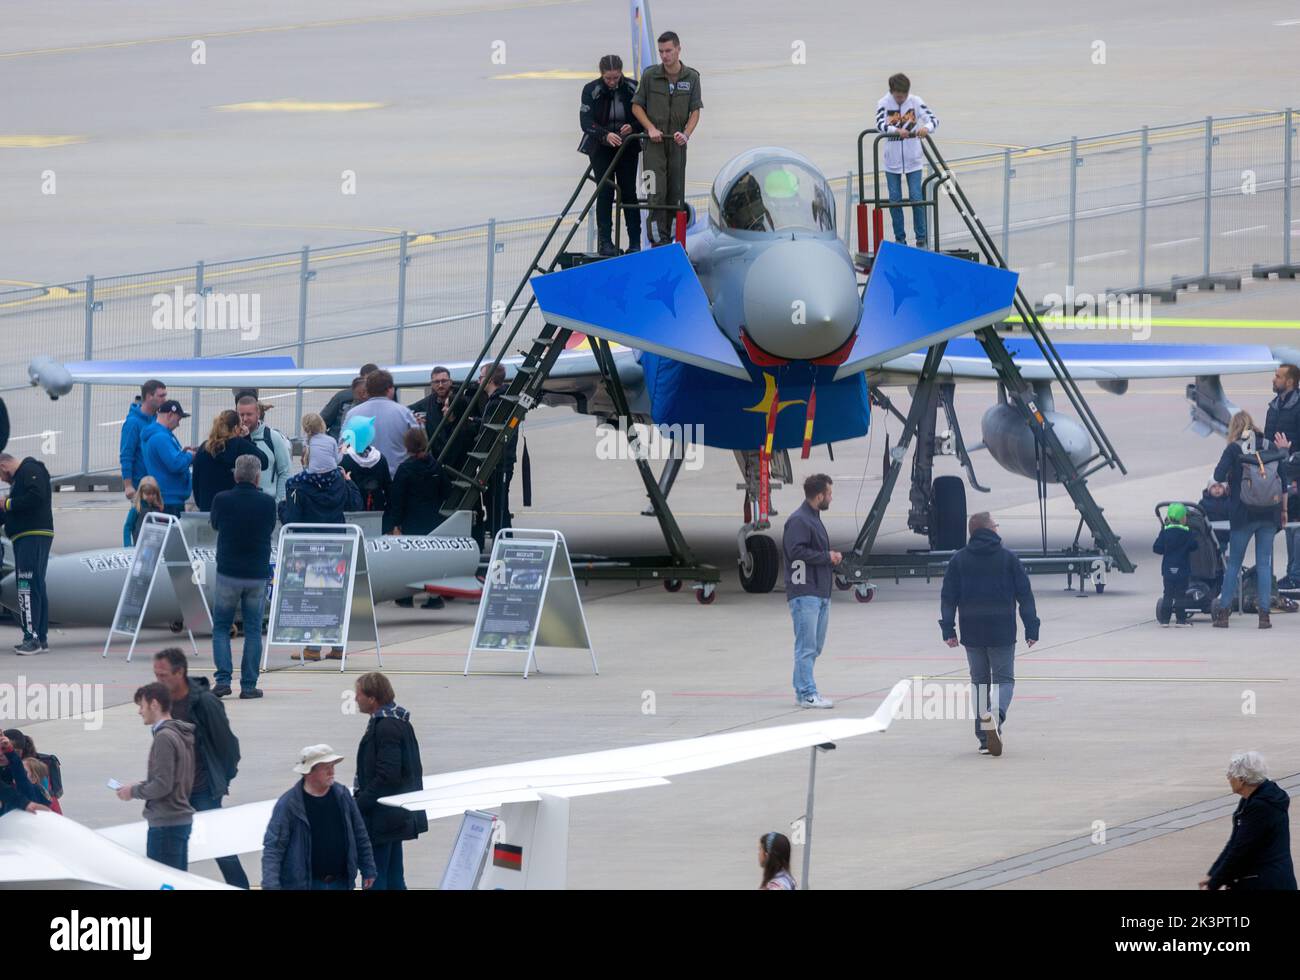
[(1120, 731)]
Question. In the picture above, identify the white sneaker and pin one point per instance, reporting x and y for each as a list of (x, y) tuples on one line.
[(816, 701), (984, 750), (993, 735)]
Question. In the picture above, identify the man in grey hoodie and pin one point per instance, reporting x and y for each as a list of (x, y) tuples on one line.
[(166, 788), (808, 577)]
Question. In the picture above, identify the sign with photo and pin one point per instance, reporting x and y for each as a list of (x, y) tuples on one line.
[(312, 594)]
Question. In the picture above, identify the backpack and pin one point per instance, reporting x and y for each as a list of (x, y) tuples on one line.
[(1261, 483)]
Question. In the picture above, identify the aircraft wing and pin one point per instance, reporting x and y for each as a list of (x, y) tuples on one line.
[(280, 372), (1133, 360), (240, 829), (650, 300), (917, 298)]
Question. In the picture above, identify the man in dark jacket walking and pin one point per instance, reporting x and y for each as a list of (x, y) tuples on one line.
[(29, 523), (983, 584), (1257, 856), (808, 577), (316, 839), (216, 749), (388, 763)]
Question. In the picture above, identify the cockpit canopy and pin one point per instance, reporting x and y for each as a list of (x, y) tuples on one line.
[(769, 189)]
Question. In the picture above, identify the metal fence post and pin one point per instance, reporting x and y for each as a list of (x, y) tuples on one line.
[(848, 206), (1209, 189), (199, 325), (304, 275), (1286, 193), (1142, 211), (489, 276), (1006, 208), (401, 300), (90, 356), (1070, 230)]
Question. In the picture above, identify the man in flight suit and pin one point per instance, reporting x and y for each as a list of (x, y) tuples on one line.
[(667, 103)]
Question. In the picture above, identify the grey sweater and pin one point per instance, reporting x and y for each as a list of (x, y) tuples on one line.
[(166, 789)]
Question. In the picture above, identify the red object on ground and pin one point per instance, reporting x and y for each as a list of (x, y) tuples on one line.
[(679, 230)]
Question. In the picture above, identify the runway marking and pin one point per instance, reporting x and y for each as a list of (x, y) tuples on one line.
[(33, 142), (38, 435), (1176, 241), (1241, 231), (282, 28), (553, 74), (298, 105), (1102, 255)]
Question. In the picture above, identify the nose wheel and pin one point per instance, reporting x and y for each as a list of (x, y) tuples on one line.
[(759, 564)]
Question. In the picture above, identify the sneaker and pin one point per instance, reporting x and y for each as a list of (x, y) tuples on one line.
[(816, 701), (984, 750), (221, 690), (1164, 624), (44, 645), (406, 602), (27, 648), (247, 693), (606, 248), (993, 734), (1288, 584), (1183, 622), (434, 602)]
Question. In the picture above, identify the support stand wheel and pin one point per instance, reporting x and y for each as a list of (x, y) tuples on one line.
[(706, 593), (672, 585), (864, 593)]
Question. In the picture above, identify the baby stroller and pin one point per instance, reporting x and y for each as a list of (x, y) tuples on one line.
[(1207, 562)]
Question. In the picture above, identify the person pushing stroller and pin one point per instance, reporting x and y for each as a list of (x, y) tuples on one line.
[(1176, 544)]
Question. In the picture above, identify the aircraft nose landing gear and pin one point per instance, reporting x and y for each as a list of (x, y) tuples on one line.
[(760, 561)]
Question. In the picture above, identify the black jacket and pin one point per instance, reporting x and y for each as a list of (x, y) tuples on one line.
[(335, 411), (1228, 471), (593, 114), (982, 585), (1284, 417), (369, 472), (1258, 854), (28, 511), (1176, 542), (214, 742), (417, 495), (388, 763), (318, 498), (244, 518), (213, 474)]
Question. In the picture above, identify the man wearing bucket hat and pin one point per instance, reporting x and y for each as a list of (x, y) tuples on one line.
[(316, 839), (1176, 543)]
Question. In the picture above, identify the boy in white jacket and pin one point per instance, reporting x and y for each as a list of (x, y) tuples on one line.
[(907, 116)]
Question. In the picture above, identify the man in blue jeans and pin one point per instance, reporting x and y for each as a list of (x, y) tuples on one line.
[(907, 117), (984, 582), (244, 519), (166, 788), (808, 578)]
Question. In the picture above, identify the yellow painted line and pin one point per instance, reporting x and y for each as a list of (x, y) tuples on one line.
[(17, 141), (1000, 146), (19, 282), (549, 74), (298, 105), (282, 28)]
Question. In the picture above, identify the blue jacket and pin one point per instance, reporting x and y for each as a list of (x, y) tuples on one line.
[(130, 449), (168, 463), (985, 581), (1176, 542), (318, 498), (286, 848), (804, 539)]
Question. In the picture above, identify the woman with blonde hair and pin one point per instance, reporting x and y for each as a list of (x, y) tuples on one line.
[(148, 498), (214, 463), (1252, 471)]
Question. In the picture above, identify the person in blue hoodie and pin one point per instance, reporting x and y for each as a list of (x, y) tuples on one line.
[(985, 582), (166, 460), (1176, 543), (131, 448)]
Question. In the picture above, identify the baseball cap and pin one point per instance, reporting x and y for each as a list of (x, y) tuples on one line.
[(171, 406), (314, 755)]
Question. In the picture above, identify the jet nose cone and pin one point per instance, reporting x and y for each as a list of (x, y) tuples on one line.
[(801, 300)]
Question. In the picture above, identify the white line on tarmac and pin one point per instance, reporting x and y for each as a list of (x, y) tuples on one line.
[(1242, 231), (1176, 241), (1286, 23), (1102, 255), (38, 435)]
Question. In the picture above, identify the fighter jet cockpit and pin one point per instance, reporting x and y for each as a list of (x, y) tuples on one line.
[(769, 189)]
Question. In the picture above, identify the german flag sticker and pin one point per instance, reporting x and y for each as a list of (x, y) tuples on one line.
[(508, 856)]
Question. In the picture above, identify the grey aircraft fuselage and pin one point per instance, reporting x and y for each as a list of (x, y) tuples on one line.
[(84, 587)]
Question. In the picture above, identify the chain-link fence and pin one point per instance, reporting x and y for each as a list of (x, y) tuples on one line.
[(1154, 209)]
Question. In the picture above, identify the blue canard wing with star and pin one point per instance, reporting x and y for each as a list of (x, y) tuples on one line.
[(650, 300), (916, 298)]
